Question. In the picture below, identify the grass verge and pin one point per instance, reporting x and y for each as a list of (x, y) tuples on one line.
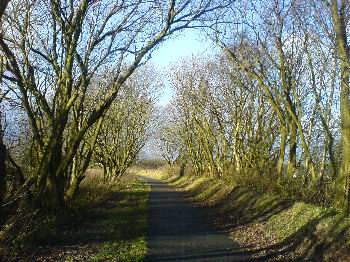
[(266, 225), (106, 222)]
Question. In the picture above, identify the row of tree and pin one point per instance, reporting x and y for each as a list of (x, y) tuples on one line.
[(69, 66), (275, 101)]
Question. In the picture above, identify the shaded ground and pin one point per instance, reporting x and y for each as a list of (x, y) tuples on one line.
[(222, 222), (266, 226), (180, 232), (108, 222)]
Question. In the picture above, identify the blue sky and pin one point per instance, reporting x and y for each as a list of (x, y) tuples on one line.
[(185, 44)]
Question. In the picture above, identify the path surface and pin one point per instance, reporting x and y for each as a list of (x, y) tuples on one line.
[(180, 232)]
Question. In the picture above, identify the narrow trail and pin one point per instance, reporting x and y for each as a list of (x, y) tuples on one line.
[(180, 232)]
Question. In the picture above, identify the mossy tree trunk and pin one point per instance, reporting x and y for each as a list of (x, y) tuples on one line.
[(3, 5), (286, 84), (3, 150), (282, 150), (81, 162), (3, 154), (51, 183), (338, 9)]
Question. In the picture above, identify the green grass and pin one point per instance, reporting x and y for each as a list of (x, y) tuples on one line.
[(289, 221), (127, 225), (271, 221), (106, 222)]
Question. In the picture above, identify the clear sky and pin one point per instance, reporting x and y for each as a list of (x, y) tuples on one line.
[(185, 44)]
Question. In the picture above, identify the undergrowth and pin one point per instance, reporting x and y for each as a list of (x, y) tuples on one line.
[(106, 222), (261, 215)]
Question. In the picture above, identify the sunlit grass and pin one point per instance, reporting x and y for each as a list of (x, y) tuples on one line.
[(107, 221), (305, 229), (127, 224)]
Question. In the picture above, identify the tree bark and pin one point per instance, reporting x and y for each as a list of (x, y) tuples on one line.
[(292, 162), (3, 151), (3, 154), (51, 183), (182, 169), (282, 149), (3, 5), (338, 17), (74, 187)]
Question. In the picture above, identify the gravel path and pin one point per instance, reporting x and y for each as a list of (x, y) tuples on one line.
[(180, 232)]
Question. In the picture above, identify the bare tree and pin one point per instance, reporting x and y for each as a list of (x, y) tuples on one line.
[(50, 68), (3, 151), (125, 126), (220, 120)]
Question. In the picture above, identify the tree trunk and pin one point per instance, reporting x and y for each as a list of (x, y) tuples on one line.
[(81, 163), (3, 154), (345, 127), (3, 5), (54, 193), (104, 173), (292, 162), (280, 162), (345, 131), (51, 182), (182, 169), (74, 187), (338, 17), (236, 158)]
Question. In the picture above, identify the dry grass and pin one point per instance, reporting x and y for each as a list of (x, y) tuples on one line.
[(106, 222), (269, 226)]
